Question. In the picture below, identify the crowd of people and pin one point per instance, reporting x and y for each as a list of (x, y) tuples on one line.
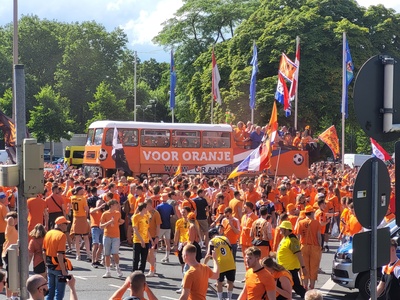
[(280, 225)]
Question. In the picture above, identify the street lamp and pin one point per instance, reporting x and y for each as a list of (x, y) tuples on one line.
[(155, 108)]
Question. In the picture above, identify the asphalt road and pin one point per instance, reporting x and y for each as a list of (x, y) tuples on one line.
[(91, 285)]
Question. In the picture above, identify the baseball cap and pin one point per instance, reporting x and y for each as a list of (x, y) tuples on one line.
[(62, 220), (191, 216), (212, 232)]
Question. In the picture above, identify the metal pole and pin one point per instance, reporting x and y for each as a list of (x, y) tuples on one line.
[(15, 48), (388, 78), (20, 125), (212, 110), (374, 232), (134, 86), (172, 112), (344, 93), (252, 116), (297, 86)]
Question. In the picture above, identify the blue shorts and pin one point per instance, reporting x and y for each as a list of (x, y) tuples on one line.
[(97, 235), (111, 245)]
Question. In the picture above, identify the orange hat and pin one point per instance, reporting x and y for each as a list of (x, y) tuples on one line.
[(191, 216), (309, 209), (290, 207), (120, 184), (62, 220)]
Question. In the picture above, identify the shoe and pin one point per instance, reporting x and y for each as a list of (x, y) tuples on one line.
[(165, 260), (150, 274), (78, 258), (320, 271), (99, 264), (243, 281), (178, 291), (94, 265), (107, 275), (69, 251), (119, 273), (326, 249)]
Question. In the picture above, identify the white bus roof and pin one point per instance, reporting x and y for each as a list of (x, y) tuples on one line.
[(151, 125)]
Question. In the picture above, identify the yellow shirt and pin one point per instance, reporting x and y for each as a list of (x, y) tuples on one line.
[(286, 254), (78, 204), (224, 253), (142, 225), (182, 227)]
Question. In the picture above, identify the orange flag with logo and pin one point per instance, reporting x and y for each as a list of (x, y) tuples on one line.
[(330, 138)]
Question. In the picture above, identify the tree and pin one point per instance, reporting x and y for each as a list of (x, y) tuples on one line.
[(106, 106), (50, 119)]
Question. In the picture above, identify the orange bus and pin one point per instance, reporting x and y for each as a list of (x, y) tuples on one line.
[(161, 147)]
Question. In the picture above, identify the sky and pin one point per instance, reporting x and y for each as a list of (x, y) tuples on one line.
[(140, 19)]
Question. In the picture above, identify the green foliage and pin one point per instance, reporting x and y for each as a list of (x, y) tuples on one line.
[(50, 120), (6, 102)]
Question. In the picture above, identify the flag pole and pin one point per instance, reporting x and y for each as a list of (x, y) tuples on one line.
[(277, 164), (344, 93), (172, 113), (252, 116), (212, 109), (297, 87)]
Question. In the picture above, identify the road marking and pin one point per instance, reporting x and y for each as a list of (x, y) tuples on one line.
[(84, 277), (165, 297), (113, 285), (328, 285)]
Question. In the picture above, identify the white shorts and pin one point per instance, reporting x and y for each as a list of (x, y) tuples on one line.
[(165, 233)]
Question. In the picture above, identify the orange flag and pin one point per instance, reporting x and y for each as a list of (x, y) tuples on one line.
[(178, 170), (330, 138)]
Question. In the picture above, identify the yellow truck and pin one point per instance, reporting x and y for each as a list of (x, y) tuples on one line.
[(73, 155)]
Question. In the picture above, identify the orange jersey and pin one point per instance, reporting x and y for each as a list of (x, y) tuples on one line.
[(246, 224), (258, 283)]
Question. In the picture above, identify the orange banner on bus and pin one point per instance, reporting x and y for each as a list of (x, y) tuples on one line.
[(187, 156)]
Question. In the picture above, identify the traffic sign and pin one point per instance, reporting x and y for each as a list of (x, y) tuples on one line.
[(362, 192), (362, 249), (369, 98)]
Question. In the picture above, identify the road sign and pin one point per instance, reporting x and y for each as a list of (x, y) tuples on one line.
[(362, 249), (362, 192), (369, 98)]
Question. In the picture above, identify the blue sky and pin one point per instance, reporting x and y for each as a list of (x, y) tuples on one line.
[(140, 19)]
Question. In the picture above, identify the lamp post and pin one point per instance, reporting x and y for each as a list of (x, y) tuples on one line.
[(154, 102)]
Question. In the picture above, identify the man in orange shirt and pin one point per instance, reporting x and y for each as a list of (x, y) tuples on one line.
[(251, 195), (246, 224), (195, 280), (231, 226), (97, 233), (310, 239), (154, 230), (236, 204), (110, 221), (55, 206), (261, 232), (259, 282), (353, 226), (37, 213)]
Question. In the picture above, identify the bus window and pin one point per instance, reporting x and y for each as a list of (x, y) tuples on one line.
[(128, 137), (98, 136), (185, 139), (216, 139), (89, 139), (154, 138)]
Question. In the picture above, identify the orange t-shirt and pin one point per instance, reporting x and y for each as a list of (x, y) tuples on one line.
[(320, 216), (139, 199), (228, 232), (111, 231), (252, 197), (52, 206), (154, 221), (189, 203), (95, 217), (353, 225), (196, 280), (308, 230), (247, 224), (236, 206), (54, 242), (3, 213), (258, 283), (36, 207)]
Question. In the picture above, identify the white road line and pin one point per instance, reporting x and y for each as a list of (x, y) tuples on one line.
[(80, 277), (165, 297), (113, 285), (326, 288)]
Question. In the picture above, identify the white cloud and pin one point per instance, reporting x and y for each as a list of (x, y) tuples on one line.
[(395, 4), (142, 29), (117, 4)]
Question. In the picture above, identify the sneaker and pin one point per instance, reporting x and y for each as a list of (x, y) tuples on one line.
[(165, 260), (150, 274), (119, 273), (94, 265), (107, 275), (178, 291), (69, 251), (78, 258), (99, 264)]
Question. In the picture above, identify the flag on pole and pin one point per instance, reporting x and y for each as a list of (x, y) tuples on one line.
[(273, 124), (216, 78), (378, 151), (118, 154), (293, 86), (282, 93), (178, 170), (172, 82), (253, 81), (348, 74), (330, 138), (287, 68), (258, 160)]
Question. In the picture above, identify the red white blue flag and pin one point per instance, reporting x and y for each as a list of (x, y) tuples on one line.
[(378, 151)]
